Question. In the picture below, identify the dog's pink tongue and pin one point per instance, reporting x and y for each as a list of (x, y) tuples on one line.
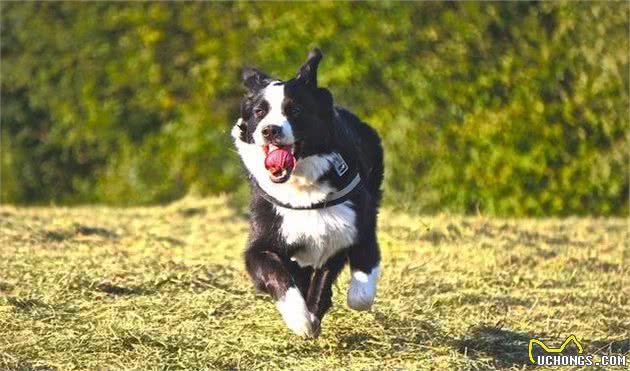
[(278, 160)]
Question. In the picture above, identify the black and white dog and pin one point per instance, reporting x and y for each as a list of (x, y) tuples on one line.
[(316, 172)]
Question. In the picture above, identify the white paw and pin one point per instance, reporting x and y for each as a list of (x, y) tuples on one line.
[(362, 289), (295, 313)]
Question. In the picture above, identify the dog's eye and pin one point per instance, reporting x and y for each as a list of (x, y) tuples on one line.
[(259, 112), (295, 111)]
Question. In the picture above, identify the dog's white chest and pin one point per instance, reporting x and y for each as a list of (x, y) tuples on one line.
[(323, 232)]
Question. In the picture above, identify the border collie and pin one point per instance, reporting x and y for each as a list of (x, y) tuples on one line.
[(315, 172)]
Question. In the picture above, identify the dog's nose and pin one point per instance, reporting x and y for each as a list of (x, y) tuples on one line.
[(271, 132)]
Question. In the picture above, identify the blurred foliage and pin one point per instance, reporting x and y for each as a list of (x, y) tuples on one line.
[(503, 108)]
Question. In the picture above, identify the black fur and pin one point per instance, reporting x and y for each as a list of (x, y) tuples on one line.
[(320, 128)]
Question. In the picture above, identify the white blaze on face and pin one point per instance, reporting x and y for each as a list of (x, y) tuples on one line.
[(274, 95)]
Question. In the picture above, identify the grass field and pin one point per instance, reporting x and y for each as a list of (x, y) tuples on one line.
[(164, 288)]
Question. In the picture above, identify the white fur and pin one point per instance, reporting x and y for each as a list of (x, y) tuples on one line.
[(323, 232), (295, 313), (300, 189), (274, 95), (362, 289)]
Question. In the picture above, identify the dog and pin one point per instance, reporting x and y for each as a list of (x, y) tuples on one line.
[(316, 172)]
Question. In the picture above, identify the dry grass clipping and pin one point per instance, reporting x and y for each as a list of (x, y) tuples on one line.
[(164, 288)]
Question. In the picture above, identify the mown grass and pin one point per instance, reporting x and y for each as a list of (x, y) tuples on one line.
[(164, 288)]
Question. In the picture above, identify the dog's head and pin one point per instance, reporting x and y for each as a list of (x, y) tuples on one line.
[(293, 116)]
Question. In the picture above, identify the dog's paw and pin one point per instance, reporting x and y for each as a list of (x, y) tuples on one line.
[(296, 315), (362, 289), (317, 328), (239, 130)]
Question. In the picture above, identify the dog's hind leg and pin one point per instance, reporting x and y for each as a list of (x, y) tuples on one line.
[(364, 263), (270, 274)]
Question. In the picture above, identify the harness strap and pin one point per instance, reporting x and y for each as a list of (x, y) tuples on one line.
[(331, 200)]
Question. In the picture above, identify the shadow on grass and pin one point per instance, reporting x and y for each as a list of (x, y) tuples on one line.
[(122, 290), (59, 235), (19, 365), (216, 277), (189, 212), (85, 230), (608, 346), (39, 310), (29, 304), (489, 345), (25, 304), (399, 337), (5, 287), (355, 341), (509, 348), (506, 348)]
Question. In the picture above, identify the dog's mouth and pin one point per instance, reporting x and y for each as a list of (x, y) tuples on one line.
[(280, 160)]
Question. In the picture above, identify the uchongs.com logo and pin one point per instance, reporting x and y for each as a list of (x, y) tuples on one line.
[(554, 357)]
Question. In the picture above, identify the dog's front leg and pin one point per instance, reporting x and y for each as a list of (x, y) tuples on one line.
[(270, 274), (364, 263), (319, 298)]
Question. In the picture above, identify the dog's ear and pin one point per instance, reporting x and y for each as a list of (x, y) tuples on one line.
[(308, 72), (254, 79)]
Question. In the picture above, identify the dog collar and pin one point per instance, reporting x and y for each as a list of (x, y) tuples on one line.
[(331, 199)]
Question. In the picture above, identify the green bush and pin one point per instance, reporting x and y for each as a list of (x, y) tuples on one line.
[(504, 108)]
